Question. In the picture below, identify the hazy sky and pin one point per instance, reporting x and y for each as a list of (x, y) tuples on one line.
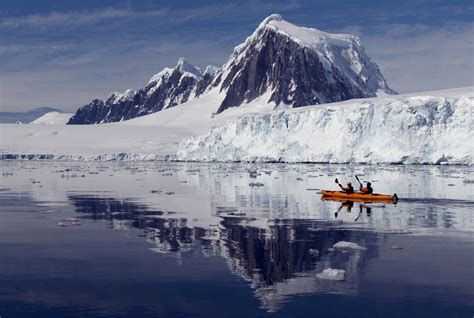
[(63, 53)]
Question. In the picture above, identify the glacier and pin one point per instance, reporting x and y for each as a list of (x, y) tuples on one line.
[(419, 129)]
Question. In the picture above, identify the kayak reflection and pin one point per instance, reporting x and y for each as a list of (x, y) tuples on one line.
[(348, 205)]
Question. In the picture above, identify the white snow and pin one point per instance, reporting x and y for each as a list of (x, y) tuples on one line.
[(125, 96), (431, 127), (308, 36), (150, 137), (343, 245), (52, 118), (332, 274)]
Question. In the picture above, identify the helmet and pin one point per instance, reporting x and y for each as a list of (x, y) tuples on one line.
[(369, 184)]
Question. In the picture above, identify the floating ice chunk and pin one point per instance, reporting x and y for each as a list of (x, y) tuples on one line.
[(313, 251), (69, 222), (395, 247), (400, 231), (343, 245), (332, 274)]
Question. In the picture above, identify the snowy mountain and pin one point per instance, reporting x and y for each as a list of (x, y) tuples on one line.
[(298, 66), (281, 62), (168, 88), (26, 116), (52, 118)]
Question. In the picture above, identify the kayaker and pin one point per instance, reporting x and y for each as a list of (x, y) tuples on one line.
[(349, 189), (367, 189)]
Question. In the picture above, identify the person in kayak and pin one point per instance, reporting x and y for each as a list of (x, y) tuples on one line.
[(367, 189), (349, 189)]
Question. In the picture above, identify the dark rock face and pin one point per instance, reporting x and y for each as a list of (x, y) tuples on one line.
[(293, 73), (166, 89), (89, 113)]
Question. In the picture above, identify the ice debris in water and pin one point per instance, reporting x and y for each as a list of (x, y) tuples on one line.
[(332, 274), (343, 245), (395, 247), (69, 222), (313, 251)]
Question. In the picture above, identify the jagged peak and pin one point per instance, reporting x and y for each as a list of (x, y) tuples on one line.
[(183, 66), (211, 70), (157, 77), (186, 67)]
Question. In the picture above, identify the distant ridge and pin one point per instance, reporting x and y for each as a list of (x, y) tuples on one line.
[(26, 116)]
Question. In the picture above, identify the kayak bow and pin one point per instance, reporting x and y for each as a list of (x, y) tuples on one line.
[(360, 197)]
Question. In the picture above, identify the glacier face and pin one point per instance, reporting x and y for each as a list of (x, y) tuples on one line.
[(408, 130)]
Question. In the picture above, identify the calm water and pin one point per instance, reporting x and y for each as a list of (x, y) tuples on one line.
[(196, 240)]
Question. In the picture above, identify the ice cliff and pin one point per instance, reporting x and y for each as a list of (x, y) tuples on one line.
[(409, 130)]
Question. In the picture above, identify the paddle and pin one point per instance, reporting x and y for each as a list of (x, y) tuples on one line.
[(358, 180), (340, 185)]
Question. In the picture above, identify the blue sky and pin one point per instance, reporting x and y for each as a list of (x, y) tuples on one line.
[(63, 53)]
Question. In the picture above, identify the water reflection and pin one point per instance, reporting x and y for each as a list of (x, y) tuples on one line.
[(275, 237), (278, 261)]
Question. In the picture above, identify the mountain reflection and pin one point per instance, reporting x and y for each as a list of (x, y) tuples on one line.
[(279, 258)]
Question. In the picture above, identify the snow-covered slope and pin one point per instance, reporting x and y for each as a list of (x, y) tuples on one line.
[(429, 128), (52, 118), (151, 137)]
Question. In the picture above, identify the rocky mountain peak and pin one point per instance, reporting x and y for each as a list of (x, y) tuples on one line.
[(298, 66)]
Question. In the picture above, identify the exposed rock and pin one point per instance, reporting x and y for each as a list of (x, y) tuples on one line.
[(168, 88)]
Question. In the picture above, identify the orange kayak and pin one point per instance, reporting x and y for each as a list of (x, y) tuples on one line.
[(359, 197)]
